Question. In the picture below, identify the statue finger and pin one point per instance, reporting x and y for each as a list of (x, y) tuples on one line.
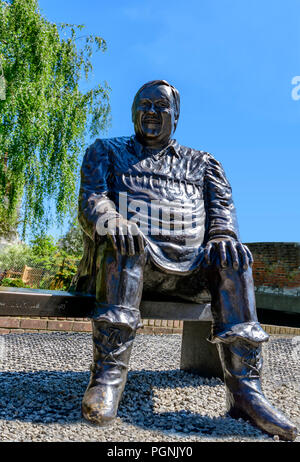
[(134, 229), (114, 241), (121, 242), (234, 255), (207, 252), (111, 228), (250, 257), (123, 229), (222, 253), (140, 243), (243, 256), (130, 244)]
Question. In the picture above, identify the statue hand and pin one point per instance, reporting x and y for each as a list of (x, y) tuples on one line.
[(240, 254), (125, 236)]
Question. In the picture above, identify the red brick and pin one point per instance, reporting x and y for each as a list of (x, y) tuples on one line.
[(60, 325), (176, 331), (9, 322), (4, 331), (148, 330), (161, 330), (33, 324), (81, 326)]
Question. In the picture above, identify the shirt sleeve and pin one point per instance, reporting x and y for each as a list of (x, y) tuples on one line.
[(220, 210), (94, 202)]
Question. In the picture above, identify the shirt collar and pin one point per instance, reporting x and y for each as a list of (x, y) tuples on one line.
[(141, 150)]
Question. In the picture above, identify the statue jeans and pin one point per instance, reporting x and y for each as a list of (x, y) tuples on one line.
[(123, 280)]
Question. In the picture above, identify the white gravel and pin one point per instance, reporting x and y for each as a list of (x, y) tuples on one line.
[(43, 378)]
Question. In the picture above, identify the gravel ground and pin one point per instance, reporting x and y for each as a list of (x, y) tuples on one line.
[(43, 378)]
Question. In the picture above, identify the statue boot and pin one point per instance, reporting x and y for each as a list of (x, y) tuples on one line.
[(112, 344), (242, 364)]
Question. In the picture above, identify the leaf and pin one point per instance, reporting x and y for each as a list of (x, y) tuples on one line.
[(45, 115)]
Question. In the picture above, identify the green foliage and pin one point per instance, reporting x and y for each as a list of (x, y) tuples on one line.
[(67, 269), (45, 115), (9, 282), (43, 246), (58, 265), (15, 256), (72, 242), (44, 256)]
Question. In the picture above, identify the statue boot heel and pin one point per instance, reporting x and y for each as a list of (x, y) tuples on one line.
[(112, 344), (242, 363)]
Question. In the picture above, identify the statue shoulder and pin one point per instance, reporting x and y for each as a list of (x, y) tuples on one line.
[(105, 147), (204, 159), (109, 143), (197, 154)]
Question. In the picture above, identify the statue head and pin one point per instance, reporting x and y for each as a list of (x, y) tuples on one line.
[(155, 113)]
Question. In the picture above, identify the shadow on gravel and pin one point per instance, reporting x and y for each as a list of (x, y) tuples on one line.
[(55, 397)]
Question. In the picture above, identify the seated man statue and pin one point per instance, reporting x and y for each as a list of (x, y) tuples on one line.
[(159, 217)]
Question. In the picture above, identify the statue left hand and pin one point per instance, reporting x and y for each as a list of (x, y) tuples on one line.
[(240, 254)]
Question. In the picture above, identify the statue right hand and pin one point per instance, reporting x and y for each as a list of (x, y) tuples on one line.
[(125, 236)]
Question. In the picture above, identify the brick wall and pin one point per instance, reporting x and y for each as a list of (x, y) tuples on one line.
[(11, 324), (276, 264), (18, 325)]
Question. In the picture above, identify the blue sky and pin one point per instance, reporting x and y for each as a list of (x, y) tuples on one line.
[(233, 62)]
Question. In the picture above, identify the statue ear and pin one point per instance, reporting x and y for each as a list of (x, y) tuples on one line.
[(175, 123), (133, 111)]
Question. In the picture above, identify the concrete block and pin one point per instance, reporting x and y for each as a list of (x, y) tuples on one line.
[(197, 354)]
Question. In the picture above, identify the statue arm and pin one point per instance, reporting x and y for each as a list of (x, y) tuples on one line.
[(94, 200), (222, 233), (220, 210), (97, 213)]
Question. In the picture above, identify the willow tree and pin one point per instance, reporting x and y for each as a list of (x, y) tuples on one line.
[(44, 116)]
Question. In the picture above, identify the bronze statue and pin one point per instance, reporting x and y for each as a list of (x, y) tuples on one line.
[(159, 217)]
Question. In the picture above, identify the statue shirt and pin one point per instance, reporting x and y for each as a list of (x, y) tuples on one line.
[(178, 196)]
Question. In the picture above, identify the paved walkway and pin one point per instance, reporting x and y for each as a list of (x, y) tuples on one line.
[(43, 378)]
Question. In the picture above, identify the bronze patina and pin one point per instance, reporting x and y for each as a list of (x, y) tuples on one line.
[(158, 218)]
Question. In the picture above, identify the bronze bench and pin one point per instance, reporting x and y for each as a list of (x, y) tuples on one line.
[(197, 354)]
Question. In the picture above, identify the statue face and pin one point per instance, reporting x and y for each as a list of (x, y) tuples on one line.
[(154, 116)]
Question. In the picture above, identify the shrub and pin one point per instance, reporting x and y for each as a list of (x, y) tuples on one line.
[(15, 257), (9, 282), (67, 269)]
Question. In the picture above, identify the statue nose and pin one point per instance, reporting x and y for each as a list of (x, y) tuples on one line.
[(151, 109)]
